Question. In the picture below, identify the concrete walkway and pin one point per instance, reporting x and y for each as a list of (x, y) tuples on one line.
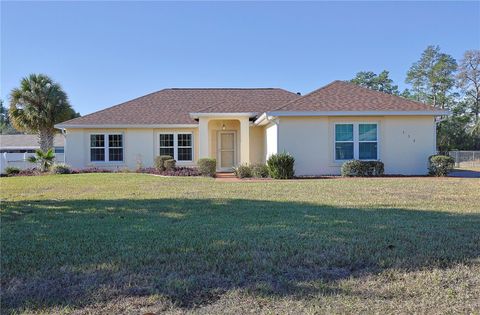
[(226, 177)]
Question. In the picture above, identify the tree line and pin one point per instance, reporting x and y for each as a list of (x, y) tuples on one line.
[(439, 80)]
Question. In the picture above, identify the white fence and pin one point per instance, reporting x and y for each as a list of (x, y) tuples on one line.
[(20, 160), (466, 158)]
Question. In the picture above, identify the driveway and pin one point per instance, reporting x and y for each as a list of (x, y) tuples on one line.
[(466, 173)]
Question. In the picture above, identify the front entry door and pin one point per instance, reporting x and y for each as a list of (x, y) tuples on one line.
[(226, 150)]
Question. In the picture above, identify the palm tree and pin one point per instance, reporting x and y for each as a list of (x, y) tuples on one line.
[(37, 105), (45, 159)]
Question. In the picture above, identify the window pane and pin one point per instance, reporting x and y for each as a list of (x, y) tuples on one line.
[(367, 132), (344, 150), (97, 141), (368, 151), (184, 154), (97, 155), (166, 140), (115, 155), (184, 140), (166, 151), (115, 141), (344, 132)]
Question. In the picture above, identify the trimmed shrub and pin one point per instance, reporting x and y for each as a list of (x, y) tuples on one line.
[(243, 171), (182, 171), (207, 167), (91, 170), (11, 170), (356, 168), (178, 171), (61, 168), (440, 165), (169, 164), (160, 162), (259, 170), (280, 166), (29, 172)]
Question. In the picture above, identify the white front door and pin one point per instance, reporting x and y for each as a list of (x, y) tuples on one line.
[(226, 145)]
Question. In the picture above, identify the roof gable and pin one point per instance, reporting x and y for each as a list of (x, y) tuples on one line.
[(349, 97)]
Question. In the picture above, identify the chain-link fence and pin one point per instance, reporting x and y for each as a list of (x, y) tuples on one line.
[(466, 158)]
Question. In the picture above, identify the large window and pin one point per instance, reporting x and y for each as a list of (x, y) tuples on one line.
[(167, 144), (177, 145), (356, 141), (367, 141), (106, 148), (344, 142)]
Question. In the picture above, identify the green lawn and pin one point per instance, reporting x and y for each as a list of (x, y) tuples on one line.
[(133, 243)]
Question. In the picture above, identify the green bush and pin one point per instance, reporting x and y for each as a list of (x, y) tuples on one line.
[(362, 168), (280, 166), (160, 162), (440, 165), (259, 170), (243, 171), (11, 170), (169, 164), (207, 167), (61, 168)]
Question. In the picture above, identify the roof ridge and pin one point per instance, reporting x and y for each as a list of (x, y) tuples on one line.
[(225, 88), (304, 96)]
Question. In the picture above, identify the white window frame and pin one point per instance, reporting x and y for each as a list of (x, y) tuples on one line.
[(106, 147), (356, 140), (175, 144)]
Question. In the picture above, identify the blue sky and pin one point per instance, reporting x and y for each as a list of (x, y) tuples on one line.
[(104, 53)]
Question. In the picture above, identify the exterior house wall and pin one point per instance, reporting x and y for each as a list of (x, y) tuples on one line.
[(257, 145), (271, 140), (404, 142), (140, 147)]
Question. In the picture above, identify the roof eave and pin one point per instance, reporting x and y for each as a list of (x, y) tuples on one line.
[(131, 126), (359, 113)]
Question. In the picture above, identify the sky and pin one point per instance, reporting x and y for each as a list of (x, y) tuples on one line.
[(105, 53)]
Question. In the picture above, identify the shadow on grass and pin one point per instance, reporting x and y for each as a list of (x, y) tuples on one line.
[(78, 252)]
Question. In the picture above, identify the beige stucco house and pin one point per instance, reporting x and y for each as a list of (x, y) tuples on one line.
[(322, 129)]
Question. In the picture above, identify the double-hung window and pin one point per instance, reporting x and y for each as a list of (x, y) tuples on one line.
[(106, 148), (356, 141), (367, 142), (167, 146), (177, 145)]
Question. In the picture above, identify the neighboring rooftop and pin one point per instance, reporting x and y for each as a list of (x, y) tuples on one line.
[(26, 141), (173, 106), (344, 96)]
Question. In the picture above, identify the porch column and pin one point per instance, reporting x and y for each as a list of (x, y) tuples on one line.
[(203, 141), (244, 140)]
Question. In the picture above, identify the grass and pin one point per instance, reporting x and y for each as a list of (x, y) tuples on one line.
[(134, 243)]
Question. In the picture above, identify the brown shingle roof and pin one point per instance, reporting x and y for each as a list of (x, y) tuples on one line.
[(344, 96), (172, 106)]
